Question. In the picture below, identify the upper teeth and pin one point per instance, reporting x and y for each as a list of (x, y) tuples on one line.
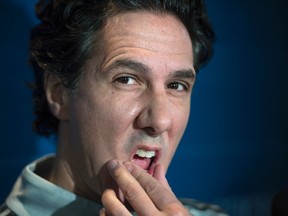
[(144, 153)]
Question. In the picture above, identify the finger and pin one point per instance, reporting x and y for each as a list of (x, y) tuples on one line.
[(112, 205), (159, 194), (159, 174), (132, 190), (102, 212)]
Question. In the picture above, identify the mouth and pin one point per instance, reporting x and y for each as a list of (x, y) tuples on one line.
[(146, 159)]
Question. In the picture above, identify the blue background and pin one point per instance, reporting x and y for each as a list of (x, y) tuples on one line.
[(236, 142)]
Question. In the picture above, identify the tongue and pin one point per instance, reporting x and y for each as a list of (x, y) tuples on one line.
[(142, 162)]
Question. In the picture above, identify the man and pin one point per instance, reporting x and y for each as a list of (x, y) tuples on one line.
[(113, 82)]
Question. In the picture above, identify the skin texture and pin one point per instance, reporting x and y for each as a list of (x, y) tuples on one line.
[(134, 94), (146, 195)]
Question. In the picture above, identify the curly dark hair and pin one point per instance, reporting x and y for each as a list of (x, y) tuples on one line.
[(63, 40)]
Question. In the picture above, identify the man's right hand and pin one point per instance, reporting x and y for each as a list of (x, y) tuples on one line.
[(148, 195)]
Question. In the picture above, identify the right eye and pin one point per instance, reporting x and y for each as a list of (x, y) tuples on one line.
[(128, 80)]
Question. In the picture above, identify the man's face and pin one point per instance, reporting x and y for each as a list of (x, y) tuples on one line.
[(133, 105)]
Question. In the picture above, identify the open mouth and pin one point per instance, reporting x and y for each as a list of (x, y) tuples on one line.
[(144, 159)]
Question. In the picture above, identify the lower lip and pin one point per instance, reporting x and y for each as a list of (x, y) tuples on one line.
[(151, 170), (152, 167)]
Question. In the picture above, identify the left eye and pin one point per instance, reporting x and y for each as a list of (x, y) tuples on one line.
[(126, 80), (177, 86)]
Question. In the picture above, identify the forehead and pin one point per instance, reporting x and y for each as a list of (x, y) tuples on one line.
[(156, 22), (156, 32)]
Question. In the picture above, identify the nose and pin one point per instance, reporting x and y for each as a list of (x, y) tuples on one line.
[(156, 115)]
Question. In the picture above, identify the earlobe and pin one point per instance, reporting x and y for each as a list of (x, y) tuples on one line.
[(57, 96)]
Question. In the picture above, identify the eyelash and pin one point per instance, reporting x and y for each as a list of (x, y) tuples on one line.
[(124, 79), (171, 85)]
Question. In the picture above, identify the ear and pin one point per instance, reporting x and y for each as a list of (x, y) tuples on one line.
[(57, 96)]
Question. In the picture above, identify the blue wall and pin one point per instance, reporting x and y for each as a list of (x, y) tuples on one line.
[(237, 139)]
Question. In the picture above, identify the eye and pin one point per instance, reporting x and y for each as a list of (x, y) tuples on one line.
[(128, 80), (178, 86)]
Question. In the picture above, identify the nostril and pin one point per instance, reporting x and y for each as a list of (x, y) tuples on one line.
[(150, 131)]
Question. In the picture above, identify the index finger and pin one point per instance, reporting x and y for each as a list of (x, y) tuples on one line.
[(132, 190), (160, 194)]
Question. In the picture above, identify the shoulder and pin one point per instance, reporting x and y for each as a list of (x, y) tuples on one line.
[(197, 208), (5, 211)]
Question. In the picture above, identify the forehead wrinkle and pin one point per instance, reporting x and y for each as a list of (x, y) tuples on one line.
[(130, 64), (157, 31)]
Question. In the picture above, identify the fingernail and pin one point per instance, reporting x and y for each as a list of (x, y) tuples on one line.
[(111, 165)]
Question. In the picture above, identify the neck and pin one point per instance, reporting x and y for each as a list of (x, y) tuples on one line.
[(62, 173)]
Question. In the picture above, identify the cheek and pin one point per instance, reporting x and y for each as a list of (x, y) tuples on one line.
[(105, 119), (126, 111)]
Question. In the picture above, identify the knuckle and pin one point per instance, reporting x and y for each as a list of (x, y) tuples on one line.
[(152, 187), (131, 193), (106, 196), (118, 172), (112, 208), (120, 213)]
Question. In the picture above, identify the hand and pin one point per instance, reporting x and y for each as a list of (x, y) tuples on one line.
[(147, 195)]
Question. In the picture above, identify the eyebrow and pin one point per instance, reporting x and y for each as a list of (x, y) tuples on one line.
[(142, 68), (130, 64), (186, 73)]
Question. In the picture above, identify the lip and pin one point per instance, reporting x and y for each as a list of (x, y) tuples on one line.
[(148, 148)]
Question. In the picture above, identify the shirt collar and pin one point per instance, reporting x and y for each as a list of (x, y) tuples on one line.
[(33, 195)]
